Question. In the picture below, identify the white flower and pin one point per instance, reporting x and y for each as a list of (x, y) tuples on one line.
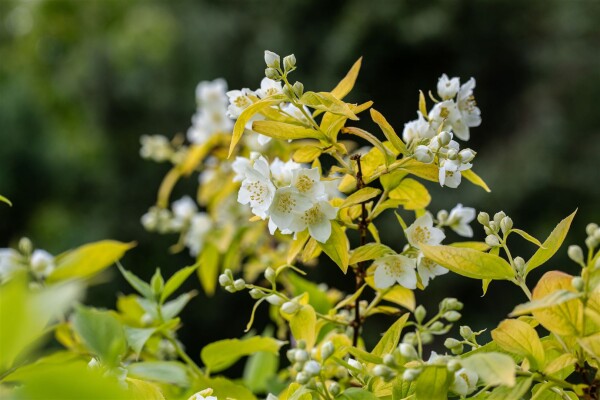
[(465, 382), (257, 188), (206, 122), (42, 263), (423, 154), (428, 269), (239, 100), (447, 88), (395, 268), (200, 225), (308, 182), (459, 220), (449, 174), (155, 147), (441, 113), (417, 129), (268, 87), (240, 166), (281, 172), (183, 211), (317, 219), (212, 93), (423, 231), (287, 204), (470, 115), (272, 59)]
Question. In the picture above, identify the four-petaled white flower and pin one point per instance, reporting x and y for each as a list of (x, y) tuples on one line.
[(450, 172), (459, 220), (428, 269), (212, 93), (417, 129), (465, 382), (42, 263), (257, 188), (470, 115), (288, 203), (281, 172), (308, 182), (423, 231), (395, 269), (268, 87), (200, 225), (317, 219), (447, 88), (239, 100)]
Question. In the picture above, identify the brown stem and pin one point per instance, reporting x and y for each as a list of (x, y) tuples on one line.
[(363, 225)]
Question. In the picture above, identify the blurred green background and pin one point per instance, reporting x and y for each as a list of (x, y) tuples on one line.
[(81, 81)]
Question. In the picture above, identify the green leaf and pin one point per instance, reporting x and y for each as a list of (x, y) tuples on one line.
[(172, 308), (137, 337), (369, 251), (208, 269), (433, 383), (176, 281), (412, 194), (143, 390), (101, 333), (390, 339), (5, 200), (388, 131), (283, 131), (520, 338), (160, 371), (337, 246), (317, 297), (364, 356), (347, 83), (327, 102), (357, 394), (303, 325), (553, 299), (468, 262), (527, 236), (493, 368), (261, 367), (520, 389), (552, 243), (360, 196), (475, 179), (142, 287), (220, 355), (402, 389), (224, 388), (88, 259), (247, 114)]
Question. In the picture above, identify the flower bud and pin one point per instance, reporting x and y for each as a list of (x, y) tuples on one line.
[(302, 378), (270, 274), (25, 246), (275, 300), (301, 356), (492, 241), (410, 338), (312, 368), (442, 216), (291, 355), (382, 371), (458, 350), (483, 218), (334, 388), (453, 365), (451, 316), (451, 343), (239, 284), (298, 89), (466, 332), (452, 154), (506, 224), (426, 337), (327, 349), (591, 242), (408, 351), (494, 226), (389, 360), (272, 59), (578, 283), (289, 62), (224, 280), (466, 156), (437, 326), (445, 137), (519, 264), (575, 253), (273, 74), (290, 307), (410, 374), (450, 303), (498, 217), (256, 294), (423, 154), (420, 314), (591, 228)]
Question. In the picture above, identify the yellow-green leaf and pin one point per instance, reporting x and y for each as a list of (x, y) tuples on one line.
[(224, 388), (468, 262), (422, 104), (552, 299), (370, 251), (176, 281), (307, 154), (551, 244), (390, 339), (347, 83), (591, 344), (401, 296), (327, 102), (303, 325), (208, 269), (222, 354), (412, 194), (520, 389), (527, 237), (561, 362), (388, 131), (143, 390), (475, 179), (88, 259), (5, 200), (360, 196), (429, 172), (283, 131), (493, 368), (337, 246), (480, 246), (433, 383), (520, 338), (247, 114), (297, 245)]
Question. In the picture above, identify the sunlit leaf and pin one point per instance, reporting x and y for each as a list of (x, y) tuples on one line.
[(475, 179), (552, 299), (433, 383), (591, 344), (5, 200), (369, 251), (519, 390), (160, 371), (307, 154), (360, 196), (551, 244), (142, 287), (137, 337), (337, 246), (317, 297), (527, 236), (520, 338), (391, 337), (303, 325), (412, 194), (176, 281), (492, 368), (222, 354), (283, 131), (327, 102), (143, 390), (400, 295), (208, 269), (347, 83), (388, 131)]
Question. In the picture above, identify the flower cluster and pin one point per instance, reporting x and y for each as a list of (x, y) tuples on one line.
[(292, 197), (430, 136), (211, 113), (39, 263)]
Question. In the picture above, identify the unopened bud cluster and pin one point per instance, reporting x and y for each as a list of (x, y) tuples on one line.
[(228, 283)]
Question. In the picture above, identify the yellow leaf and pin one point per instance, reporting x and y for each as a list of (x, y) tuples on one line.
[(388, 131), (307, 154), (369, 251), (88, 259), (361, 196), (208, 270), (297, 245), (400, 295), (552, 243), (520, 338), (559, 363), (493, 368), (390, 339), (468, 262), (475, 179), (591, 344), (283, 131), (303, 325), (481, 246), (422, 104), (327, 102), (429, 172), (347, 83), (142, 390), (564, 319), (412, 194), (337, 246), (5, 200), (166, 187)]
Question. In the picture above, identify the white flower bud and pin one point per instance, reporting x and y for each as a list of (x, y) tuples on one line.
[(25, 246), (437, 326), (519, 264), (289, 62), (302, 378), (298, 89), (312, 368), (483, 218), (272, 59), (426, 337), (451, 316), (334, 388), (452, 154), (578, 283), (389, 360), (327, 349), (591, 228), (442, 216), (492, 241), (355, 364), (382, 371), (591, 242), (301, 356), (273, 74), (506, 224), (575, 253), (423, 154), (270, 274), (466, 156), (239, 284), (408, 351), (275, 300), (444, 137), (420, 313), (498, 217), (410, 374), (410, 338), (256, 294), (290, 307), (453, 365), (451, 343)]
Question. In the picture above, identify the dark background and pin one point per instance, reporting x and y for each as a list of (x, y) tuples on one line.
[(81, 81)]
